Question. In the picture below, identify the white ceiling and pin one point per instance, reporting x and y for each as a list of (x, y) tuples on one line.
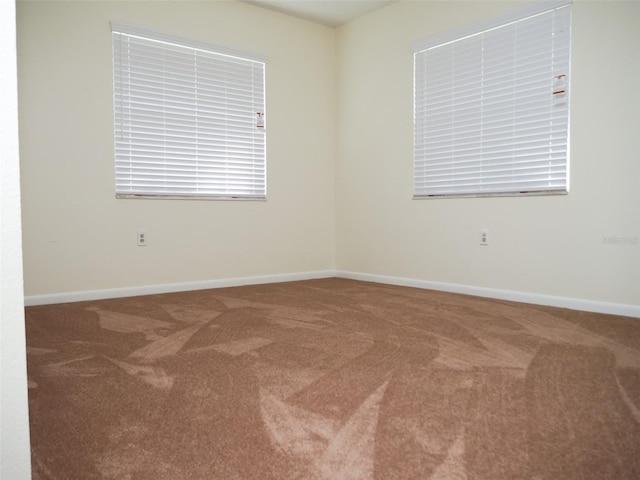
[(331, 13)]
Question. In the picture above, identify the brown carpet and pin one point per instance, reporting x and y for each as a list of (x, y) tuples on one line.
[(331, 379)]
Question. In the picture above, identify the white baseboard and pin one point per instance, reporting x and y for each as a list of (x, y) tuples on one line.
[(523, 297), (32, 300)]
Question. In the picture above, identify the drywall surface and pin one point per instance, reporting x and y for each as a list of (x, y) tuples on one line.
[(339, 106), (14, 414), (585, 245), (78, 236)]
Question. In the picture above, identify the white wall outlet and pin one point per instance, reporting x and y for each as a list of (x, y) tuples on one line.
[(143, 238), (484, 237)]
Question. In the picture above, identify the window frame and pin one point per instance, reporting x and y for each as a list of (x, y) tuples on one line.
[(182, 129), (426, 186)]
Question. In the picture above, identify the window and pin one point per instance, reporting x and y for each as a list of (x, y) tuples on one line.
[(491, 107), (188, 118)]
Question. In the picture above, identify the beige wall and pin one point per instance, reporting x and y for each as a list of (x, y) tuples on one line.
[(585, 245), (335, 97), (78, 237)]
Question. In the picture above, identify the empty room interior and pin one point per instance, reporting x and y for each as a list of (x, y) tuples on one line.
[(309, 318)]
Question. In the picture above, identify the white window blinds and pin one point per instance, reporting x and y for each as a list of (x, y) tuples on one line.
[(491, 109), (186, 118)]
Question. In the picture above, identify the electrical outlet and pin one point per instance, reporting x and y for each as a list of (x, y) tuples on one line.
[(484, 237), (143, 238)]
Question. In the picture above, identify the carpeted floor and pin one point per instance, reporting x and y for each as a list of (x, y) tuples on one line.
[(331, 379)]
